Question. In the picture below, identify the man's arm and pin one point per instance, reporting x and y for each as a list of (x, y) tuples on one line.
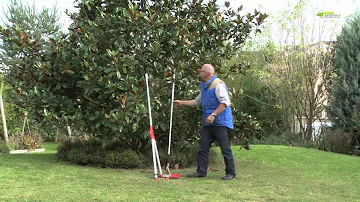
[(220, 109), (223, 97), (195, 102), (185, 102), (210, 119)]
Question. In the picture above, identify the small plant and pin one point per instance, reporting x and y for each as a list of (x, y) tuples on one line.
[(3, 148), (25, 141), (14, 143), (31, 141)]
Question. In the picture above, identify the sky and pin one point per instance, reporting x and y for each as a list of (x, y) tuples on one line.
[(342, 7)]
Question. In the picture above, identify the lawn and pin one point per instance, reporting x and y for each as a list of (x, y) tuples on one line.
[(265, 173)]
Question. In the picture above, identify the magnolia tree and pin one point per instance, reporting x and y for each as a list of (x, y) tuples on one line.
[(93, 77)]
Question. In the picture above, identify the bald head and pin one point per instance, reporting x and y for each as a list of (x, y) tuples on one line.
[(208, 68), (206, 72)]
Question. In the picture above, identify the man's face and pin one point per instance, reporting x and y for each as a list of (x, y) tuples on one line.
[(202, 74)]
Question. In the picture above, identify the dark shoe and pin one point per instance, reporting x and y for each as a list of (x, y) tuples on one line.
[(228, 177), (196, 175)]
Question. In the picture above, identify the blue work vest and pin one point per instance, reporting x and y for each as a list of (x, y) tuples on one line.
[(209, 103)]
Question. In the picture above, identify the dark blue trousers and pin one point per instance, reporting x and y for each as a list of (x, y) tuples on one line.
[(209, 134)]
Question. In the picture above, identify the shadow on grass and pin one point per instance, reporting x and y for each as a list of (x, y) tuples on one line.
[(18, 159)]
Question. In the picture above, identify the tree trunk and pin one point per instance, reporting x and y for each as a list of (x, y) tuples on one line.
[(309, 128), (69, 130), (3, 115), (57, 134)]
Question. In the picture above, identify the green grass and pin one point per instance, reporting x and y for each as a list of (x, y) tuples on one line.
[(265, 173)]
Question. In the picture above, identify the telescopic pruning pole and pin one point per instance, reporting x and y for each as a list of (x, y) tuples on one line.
[(155, 153), (170, 127)]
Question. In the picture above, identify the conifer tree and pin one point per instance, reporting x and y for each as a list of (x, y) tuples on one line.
[(345, 92)]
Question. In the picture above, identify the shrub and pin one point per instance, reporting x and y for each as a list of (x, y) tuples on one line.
[(91, 151), (357, 150), (14, 142), (310, 145), (288, 139), (336, 141), (79, 156), (129, 159), (125, 159), (115, 145), (256, 110), (111, 159), (81, 150), (3, 148), (25, 141), (63, 149), (246, 126), (114, 154)]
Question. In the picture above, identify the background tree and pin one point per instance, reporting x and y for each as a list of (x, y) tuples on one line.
[(302, 67), (255, 98), (345, 93), (24, 23), (295, 66)]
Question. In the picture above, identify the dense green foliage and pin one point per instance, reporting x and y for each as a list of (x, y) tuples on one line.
[(24, 24), (93, 77), (345, 92), (344, 99)]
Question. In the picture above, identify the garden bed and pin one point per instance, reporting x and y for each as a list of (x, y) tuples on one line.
[(24, 151)]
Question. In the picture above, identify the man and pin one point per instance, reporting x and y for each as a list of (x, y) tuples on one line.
[(217, 120)]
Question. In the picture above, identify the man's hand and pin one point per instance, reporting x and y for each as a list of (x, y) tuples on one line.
[(177, 103), (210, 119)]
